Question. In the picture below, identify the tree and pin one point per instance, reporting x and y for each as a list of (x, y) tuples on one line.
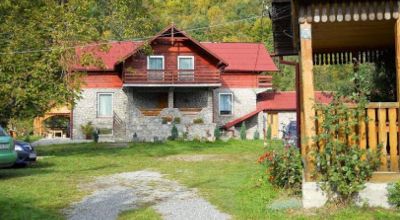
[(37, 43)]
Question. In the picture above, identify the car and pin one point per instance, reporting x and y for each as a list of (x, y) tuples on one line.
[(26, 154), (8, 156), (290, 134)]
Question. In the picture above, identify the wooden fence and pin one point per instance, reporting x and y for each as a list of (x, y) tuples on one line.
[(381, 128)]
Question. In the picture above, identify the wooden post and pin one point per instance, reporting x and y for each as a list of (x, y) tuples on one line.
[(397, 55), (307, 94)]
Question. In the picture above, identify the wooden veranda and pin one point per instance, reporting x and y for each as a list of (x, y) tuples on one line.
[(326, 32)]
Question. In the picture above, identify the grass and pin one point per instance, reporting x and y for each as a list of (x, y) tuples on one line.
[(231, 181), (146, 213)]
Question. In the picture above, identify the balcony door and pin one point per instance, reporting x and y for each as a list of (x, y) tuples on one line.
[(155, 68)]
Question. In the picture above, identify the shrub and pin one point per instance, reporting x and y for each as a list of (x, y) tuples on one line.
[(95, 135), (88, 130), (217, 133), (394, 194), (166, 119), (243, 131), (269, 135), (284, 168), (177, 120), (174, 132), (198, 121), (256, 135), (342, 166)]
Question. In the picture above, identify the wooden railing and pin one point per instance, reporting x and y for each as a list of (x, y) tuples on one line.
[(264, 81), (157, 111), (172, 77), (381, 129)]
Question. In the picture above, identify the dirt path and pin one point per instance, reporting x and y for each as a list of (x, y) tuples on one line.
[(124, 191)]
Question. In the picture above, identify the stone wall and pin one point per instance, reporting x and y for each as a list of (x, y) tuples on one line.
[(244, 102), (152, 128), (190, 99), (85, 110)]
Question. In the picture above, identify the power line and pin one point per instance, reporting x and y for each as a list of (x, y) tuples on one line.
[(127, 40)]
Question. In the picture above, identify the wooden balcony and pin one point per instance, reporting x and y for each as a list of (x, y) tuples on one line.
[(185, 78), (264, 81)]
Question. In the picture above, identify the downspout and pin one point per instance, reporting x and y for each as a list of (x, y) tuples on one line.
[(298, 95)]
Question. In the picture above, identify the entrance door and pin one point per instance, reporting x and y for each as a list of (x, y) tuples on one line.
[(163, 100)]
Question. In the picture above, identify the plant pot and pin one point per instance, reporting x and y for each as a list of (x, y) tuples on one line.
[(88, 136)]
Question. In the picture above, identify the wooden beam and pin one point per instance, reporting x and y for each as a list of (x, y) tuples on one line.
[(307, 93), (397, 51)]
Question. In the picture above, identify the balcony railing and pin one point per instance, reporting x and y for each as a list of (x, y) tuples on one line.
[(264, 81), (172, 77)]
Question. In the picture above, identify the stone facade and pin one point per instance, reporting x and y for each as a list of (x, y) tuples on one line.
[(244, 102), (85, 110), (128, 123)]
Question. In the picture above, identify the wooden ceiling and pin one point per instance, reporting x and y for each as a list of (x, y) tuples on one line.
[(352, 36)]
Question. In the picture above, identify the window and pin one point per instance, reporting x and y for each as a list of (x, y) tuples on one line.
[(104, 105), (155, 62), (225, 103), (185, 62), (186, 67)]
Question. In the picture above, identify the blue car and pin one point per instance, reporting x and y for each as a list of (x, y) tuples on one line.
[(26, 154)]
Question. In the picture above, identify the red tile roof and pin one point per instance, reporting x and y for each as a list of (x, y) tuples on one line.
[(109, 54), (239, 56), (277, 101), (286, 101), (243, 56)]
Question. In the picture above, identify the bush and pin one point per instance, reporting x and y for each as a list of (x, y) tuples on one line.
[(269, 132), (217, 133), (394, 194), (243, 131), (284, 168), (342, 166), (256, 135), (88, 130), (198, 121), (166, 120), (174, 132), (177, 120)]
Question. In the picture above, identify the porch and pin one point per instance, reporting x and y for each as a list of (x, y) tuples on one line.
[(189, 102), (348, 33)]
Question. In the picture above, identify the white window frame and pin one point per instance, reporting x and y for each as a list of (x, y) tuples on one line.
[(98, 104), (185, 56), (155, 56), (219, 103)]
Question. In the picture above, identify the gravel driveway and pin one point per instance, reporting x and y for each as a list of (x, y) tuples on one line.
[(124, 191)]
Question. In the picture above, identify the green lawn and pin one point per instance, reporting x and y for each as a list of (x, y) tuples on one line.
[(231, 180)]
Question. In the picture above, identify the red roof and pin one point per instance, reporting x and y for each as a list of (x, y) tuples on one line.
[(286, 101), (109, 54), (247, 57), (277, 101), (243, 56)]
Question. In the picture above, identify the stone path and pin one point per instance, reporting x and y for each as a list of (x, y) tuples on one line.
[(124, 191)]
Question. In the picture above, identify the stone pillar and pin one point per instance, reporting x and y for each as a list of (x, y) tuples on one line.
[(171, 98)]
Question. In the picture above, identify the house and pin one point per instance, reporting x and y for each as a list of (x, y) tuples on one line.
[(138, 90), (324, 32), (277, 110)]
